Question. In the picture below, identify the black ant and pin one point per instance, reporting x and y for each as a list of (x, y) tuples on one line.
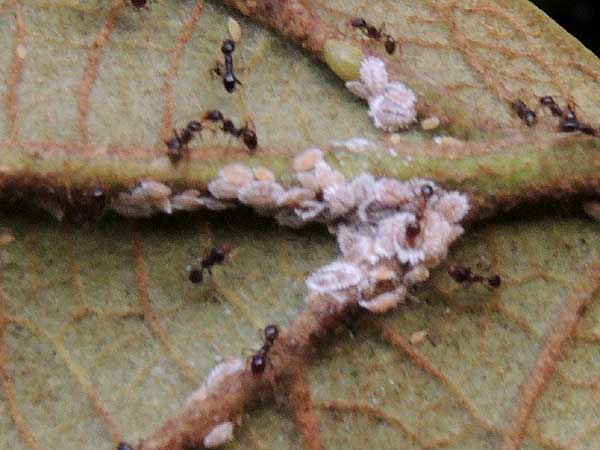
[(216, 255), (247, 134), (124, 446), (259, 360), (463, 274), (374, 33), (139, 4), (551, 104), (569, 122), (180, 140), (229, 78), (525, 114)]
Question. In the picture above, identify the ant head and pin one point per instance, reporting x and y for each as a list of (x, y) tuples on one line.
[(427, 190), (271, 332), (96, 194), (358, 22), (213, 115), (228, 46)]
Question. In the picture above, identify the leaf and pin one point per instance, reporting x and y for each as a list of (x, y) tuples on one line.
[(103, 337), (93, 89)]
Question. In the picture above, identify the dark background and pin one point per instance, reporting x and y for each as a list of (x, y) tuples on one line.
[(581, 18)]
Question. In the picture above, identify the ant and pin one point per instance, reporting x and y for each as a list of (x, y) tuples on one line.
[(259, 360), (551, 104), (247, 134), (216, 255), (413, 229), (124, 446), (463, 274), (229, 78), (374, 33), (179, 142), (139, 4), (524, 113), (569, 122)]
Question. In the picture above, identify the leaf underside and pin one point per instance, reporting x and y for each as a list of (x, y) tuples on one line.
[(102, 336), (93, 88)]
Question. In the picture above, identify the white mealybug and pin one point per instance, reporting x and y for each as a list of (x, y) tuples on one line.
[(294, 196), (260, 194), (154, 193), (391, 192), (355, 145), (335, 277), (437, 235), (395, 108), (226, 369), (391, 234), (308, 180), (128, 206), (354, 245), (363, 187), (264, 174), (215, 205), (339, 198), (326, 176), (289, 218), (186, 201), (309, 209), (416, 275), (386, 301), (237, 174), (454, 206), (219, 435), (307, 159), (373, 78), (223, 190)]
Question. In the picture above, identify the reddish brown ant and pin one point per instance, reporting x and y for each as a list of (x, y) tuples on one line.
[(259, 360), (216, 255), (525, 114), (463, 274), (375, 33), (229, 78)]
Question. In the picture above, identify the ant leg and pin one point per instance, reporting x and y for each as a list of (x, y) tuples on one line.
[(217, 70)]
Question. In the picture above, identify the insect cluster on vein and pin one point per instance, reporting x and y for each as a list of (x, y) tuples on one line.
[(258, 362), (375, 33), (216, 255)]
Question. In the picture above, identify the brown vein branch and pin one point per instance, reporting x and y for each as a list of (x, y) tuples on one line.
[(149, 316), (90, 74), (186, 34), (16, 74), (554, 342)]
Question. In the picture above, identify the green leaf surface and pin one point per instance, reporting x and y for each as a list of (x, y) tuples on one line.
[(103, 337)]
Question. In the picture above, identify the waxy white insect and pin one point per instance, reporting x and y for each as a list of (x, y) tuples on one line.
[(219, 435)]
